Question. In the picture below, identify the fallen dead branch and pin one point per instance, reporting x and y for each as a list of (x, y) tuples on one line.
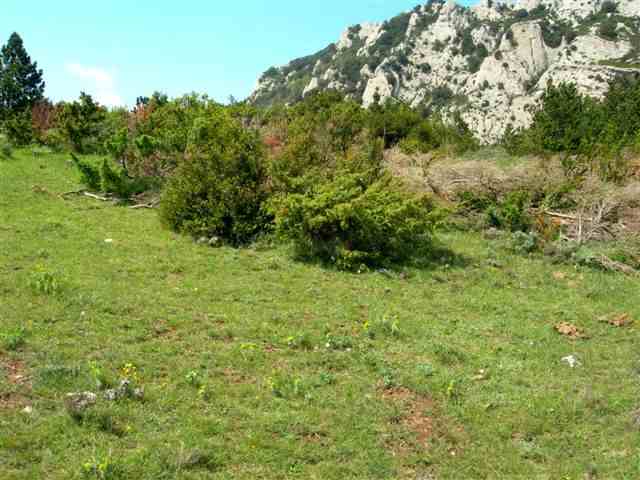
[(614, 266), (97, 197), (145, 205), (88, 194), (564, 216)]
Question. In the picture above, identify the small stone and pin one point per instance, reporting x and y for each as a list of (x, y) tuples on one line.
[(28, 410), (77, 403), (572, 361), (111, 395)]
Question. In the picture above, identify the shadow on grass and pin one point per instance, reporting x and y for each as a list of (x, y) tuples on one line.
[(429, 257)]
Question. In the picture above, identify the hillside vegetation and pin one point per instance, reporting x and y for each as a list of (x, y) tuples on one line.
[(488, 63)]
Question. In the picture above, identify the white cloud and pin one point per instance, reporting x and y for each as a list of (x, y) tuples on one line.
[(97, 82)]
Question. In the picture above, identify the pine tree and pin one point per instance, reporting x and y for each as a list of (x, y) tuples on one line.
[(21, 83)]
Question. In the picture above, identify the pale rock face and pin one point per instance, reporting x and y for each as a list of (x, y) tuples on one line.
[(526, 55), (591, 48), (378, 84), (484, 10), (313, 85), (568, 9), (490, 92), (592, 81), (370, 32), (629, 8), (345, 40)]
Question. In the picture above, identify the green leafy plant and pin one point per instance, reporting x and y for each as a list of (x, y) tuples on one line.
[(45, 282), (13, 339), (288, 386), (300, 341), (193, 378), (338, 342), (101, 468), (387, 325), (512, 212), (99, 376)]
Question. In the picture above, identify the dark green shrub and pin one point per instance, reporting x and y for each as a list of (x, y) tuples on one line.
[(521, 14), (217, 190), (351, 221), (608, 6), (392, 122), (18, 128), (435, 133), (511, 213), (608, 29), (440, 97), (524, 243), (323, 134), (80, 124), (89, 174), (115, 181), (622, 109), (393, 33), (108, 178), (566, 120), (157, 135)]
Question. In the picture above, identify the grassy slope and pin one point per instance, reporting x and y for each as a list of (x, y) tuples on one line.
[(170, 307)]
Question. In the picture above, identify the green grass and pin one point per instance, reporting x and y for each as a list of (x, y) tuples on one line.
[(256, 366)]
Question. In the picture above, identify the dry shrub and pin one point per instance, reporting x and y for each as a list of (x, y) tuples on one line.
[(43, 118), (410, 167), (450, 180)]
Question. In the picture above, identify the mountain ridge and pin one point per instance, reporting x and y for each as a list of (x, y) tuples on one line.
[(489, 62)]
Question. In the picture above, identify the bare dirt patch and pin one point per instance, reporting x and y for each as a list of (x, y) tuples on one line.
[(15, 371), (13, 401), (15, 374), (417, 414)]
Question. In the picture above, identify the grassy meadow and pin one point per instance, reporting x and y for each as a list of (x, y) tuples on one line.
[(257, 366)]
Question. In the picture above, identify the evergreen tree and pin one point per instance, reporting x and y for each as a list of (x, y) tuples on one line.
[(21, 83)]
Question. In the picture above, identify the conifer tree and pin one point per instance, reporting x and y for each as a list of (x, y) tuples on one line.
[(21, 83)]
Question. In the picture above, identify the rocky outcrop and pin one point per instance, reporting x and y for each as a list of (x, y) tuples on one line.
[(488, 62)]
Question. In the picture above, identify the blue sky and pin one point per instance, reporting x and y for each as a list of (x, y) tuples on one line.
[(117, 50)]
